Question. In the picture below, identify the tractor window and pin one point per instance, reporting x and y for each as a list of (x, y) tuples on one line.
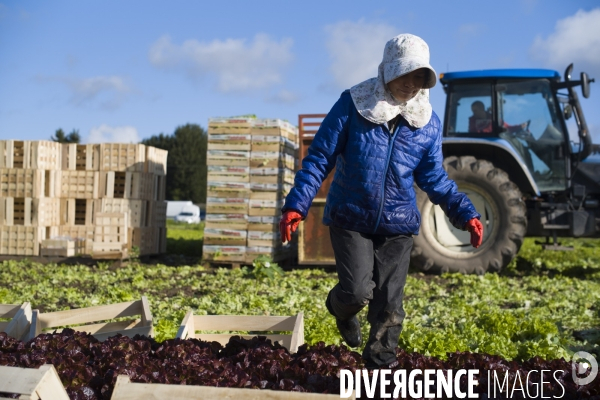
[(470, 110), (528, 120)]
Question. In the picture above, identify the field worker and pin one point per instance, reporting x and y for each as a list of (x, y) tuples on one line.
[(381, 136)]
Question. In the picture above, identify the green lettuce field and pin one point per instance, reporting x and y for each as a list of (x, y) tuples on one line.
[(545, 304)]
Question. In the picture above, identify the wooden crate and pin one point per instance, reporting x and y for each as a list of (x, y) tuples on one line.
[(228, 237), (275, 144), (269, 159), (24, 154), (136, 209), (82, 232), (219, 173), (229, 142), (77, 211), (46, 212), (16, 182), (228, 158), (229, 125), (156, 161), (268, 208), (122, 157), (111, 236), (272, 176), (79, 184), (216, 205), (261, 323), (263, 223), (275, 253), (21, 240), (127, 390), (219, 253), (145, 239), (80, 157), (264, 238), (62, 247), (93, 320), (162, 240), (31, 383), (226, 221), (158, 216), (160, 190), (128, 185), (19, 319), (239, 190)]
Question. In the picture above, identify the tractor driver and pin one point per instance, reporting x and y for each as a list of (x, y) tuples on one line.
[(481, 120)]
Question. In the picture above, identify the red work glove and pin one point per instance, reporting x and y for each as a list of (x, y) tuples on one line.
[(476, 229), (288, 224)]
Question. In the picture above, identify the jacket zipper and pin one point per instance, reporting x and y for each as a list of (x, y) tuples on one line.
[(387, 166)]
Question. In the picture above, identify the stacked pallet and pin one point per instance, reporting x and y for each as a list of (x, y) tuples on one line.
[(251, 165), (51, 195)]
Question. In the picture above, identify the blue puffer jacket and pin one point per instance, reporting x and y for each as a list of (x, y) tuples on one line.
[(372, 189)]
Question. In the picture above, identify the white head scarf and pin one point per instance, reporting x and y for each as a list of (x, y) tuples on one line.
[(402, 54)]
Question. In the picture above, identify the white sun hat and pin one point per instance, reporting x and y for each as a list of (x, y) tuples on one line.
[(402, 54)]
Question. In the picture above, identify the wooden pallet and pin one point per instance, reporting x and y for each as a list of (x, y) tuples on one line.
[(223, 254), (110, 236), (145, 239), (79, 184), (20, 319), (127, 390), (33, 384), (25, 154), (261, 323), (93, 320), (81, 157), (77, 212), (122, 157), (62, 247), (21, 240), (156, 161), (83, 232), (136, 209), (128, 185), (16, 182)]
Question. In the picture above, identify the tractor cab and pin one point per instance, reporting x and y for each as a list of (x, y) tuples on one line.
[(516, 109), (507, 146)]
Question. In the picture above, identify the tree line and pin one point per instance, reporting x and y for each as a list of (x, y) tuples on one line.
[(186, 163)]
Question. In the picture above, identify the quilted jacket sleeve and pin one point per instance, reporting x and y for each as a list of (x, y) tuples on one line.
[(328, 142), (431, 177)]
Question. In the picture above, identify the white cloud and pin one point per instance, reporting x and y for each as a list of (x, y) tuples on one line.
[(85, 90), (109, 134), (576, 39), (356, 49), (237, 65), (106, 91)]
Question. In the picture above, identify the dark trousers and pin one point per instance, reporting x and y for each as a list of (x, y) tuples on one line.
[(371, 270)]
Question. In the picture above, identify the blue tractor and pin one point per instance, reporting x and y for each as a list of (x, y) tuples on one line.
[(507, 145)]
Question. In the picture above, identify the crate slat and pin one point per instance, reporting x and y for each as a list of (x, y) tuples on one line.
[(31, 383), (126, 390)]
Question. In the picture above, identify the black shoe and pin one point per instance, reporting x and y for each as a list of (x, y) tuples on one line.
[(350, 331)]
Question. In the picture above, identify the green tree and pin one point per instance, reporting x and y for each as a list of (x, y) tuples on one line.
[(61, 137), (186, 163)]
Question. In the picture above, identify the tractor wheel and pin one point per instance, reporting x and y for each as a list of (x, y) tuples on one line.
[(440, 247)]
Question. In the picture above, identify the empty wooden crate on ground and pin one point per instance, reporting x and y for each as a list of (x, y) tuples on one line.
[(92, 320), (32, 383), (16, 319), (257, 323), (127, 390)]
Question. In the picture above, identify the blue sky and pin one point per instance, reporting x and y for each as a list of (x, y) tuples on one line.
[(127, 70)]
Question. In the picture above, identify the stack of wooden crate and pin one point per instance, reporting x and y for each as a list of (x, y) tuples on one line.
[(251, 165), (56, 191)]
